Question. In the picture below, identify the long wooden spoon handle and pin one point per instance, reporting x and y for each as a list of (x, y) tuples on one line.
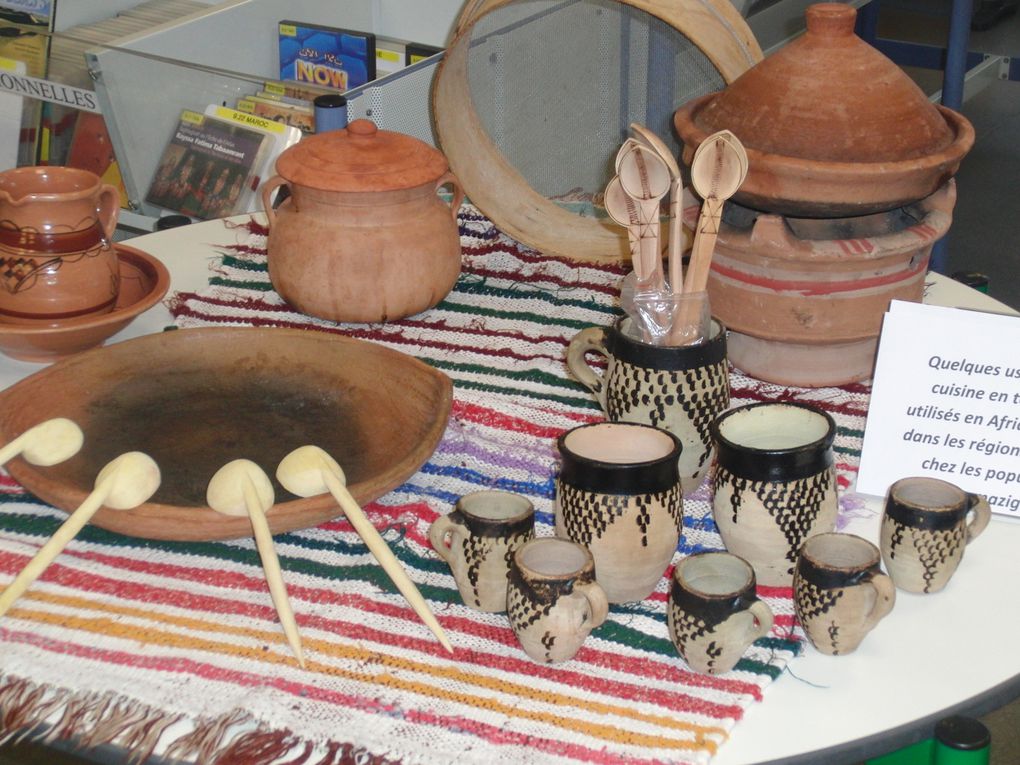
[(675, 251), (271, 565), (68, 530), (11, 450), (378, 547)]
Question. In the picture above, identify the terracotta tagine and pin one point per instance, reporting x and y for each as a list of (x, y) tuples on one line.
[(831, 126), (363, 236), (57, 259)]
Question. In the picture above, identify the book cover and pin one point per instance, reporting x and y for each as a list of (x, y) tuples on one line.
[(326, 56), (416, 52), (208, 168), (299, 115), (25, 38)]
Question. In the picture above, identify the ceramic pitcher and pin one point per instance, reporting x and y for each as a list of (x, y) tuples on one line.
[(57, 259)]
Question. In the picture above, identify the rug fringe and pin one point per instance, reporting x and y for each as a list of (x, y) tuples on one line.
[(94, 719)]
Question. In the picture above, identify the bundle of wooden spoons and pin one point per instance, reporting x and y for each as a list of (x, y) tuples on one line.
[(671, 311)]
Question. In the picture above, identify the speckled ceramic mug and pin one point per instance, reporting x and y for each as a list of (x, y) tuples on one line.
[(478, 538), (925, 528), (553, 600), (840, 592), (713, 613), (679, 388), (618, 494), (775, 485)]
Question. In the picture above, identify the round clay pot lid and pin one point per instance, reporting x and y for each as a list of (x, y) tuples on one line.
[(829, 96), (361, 158)]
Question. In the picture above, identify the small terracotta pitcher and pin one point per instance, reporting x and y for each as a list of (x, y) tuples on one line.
[(57, 259)]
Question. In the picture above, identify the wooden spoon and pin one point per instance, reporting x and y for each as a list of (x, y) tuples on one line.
[(675, 243), (45, 444), (125, 482), (645, 178), (308, 471), (717, 170), (624, 210), (242, 488)]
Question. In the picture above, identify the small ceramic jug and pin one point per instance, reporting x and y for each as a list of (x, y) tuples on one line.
[(478, 539), (840, 592), (926, 526), (618, 494), (714, 613), (678, 388), (57, 258), (775, 484), (553, 600)]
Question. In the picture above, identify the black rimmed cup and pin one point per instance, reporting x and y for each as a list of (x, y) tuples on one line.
[(678, 388), (714, 614), (839, 591), (775, 485), (618, 494), (478, 538), (925, 528)]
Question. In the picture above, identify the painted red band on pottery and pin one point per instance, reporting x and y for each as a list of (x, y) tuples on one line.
[(30, 316), (812, 288), (51, 244)]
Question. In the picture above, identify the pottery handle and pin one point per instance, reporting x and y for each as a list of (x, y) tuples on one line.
[(764, 618), (458, 191), (597, 601), (982, 514), (267, 197), (108, 210), (590, 340), (441, 527), (885, 599)]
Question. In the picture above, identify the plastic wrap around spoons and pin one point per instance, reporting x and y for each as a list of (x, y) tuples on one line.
[(652, 311)]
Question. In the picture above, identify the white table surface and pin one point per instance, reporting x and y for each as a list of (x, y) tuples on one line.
[(957, 651)]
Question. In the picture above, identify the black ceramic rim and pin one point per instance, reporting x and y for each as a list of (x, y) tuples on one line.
[(776, 465), (828, 576), (587, 474), (918, 516), (518, 523), (715, 607), (632, 351)]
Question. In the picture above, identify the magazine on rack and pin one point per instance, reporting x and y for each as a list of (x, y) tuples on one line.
[(326, 56), (210, 167)]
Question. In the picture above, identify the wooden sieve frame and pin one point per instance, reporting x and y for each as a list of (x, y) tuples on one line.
[(499, 190)]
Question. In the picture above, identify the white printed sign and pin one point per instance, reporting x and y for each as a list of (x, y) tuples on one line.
[(945, 403)]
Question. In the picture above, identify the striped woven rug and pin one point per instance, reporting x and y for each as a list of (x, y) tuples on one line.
[(175, 647)]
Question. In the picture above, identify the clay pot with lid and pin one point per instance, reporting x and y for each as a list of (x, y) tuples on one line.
[(363, 236), (832, 127)]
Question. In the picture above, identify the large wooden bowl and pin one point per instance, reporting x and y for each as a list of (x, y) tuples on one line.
[(195, 399)]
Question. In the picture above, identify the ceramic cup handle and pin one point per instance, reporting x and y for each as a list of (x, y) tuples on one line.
[(981, 514), (597, 601), (763, 619), (448, 178), (267, 197), (441, 535), (109, 210), (590, 340), (885, 599)]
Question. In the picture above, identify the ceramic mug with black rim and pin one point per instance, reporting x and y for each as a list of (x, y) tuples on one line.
[(714, 613), (478, 539), (925, 528), (618, 494), (679, 388), (840, 592), (553, 599), (775, 484)]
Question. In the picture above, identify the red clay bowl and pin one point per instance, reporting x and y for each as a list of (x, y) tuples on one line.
[(144, 281)]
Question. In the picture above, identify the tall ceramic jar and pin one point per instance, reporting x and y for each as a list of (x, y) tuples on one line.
[(363, 236)]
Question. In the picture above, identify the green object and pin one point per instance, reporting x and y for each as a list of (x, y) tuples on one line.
[(958, 741)]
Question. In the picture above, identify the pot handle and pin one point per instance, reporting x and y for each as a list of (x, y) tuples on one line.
[(108, 210), (267, 192), (458, 191)]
